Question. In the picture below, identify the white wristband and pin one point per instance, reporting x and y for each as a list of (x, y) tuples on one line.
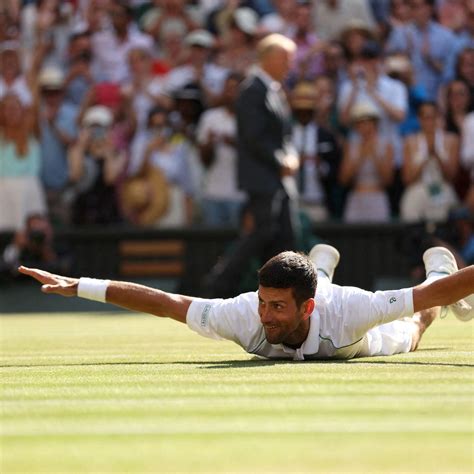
[(92, 289)]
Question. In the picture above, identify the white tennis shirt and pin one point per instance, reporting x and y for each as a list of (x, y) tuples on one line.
[(346, 322)]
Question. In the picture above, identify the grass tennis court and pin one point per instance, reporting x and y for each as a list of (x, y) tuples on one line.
[(89, 392)]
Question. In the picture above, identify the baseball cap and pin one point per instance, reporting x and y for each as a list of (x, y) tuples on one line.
[(199, 38), (51, 77), (97, 115), (246, 20)]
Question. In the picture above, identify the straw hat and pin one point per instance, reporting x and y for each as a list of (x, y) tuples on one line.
[(356, 24), (145, 198), (303, 96), (364, 111)]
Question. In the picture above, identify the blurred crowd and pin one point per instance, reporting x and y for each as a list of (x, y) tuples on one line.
[(123, 111)]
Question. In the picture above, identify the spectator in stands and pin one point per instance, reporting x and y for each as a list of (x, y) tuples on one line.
[(96, 17), (172, 50), (309, 61), (237, 48), (335, 64), (452, 14), (145, 90), (111, 46), (467, 158), (9, 29), (112, 96), (11, 77), (159, 147), (325, 108), (368, 83), (33, 245), (465, 71), (354, 37), (318, 152), (428, 44), (400, 13), (95, 168), (79, 76), (398, 66), (431, 161), (457, 105), (216, 135), (21, 192), (281, 19), (367, 167), (200, 68), (177, 14), (53, 26), (332, 16), (58, 131)]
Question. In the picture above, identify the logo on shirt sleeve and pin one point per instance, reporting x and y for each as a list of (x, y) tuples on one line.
[(392, 300), (205, 315)]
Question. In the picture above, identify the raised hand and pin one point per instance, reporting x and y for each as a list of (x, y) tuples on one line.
[(52, 283)]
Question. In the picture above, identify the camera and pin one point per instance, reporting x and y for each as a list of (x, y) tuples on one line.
[(98, 132)]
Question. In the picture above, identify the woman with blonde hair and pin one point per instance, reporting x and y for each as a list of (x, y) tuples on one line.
[(21, 192)]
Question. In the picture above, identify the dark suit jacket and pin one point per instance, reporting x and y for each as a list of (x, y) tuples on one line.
[(263, 136)]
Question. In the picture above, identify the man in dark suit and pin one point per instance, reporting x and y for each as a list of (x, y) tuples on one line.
[(267, 162)]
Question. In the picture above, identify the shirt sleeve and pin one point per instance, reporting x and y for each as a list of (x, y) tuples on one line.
[(203, 128), (399, 98), (368, 310), (235, 319)]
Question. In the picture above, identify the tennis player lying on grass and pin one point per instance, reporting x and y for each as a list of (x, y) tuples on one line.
[(288, 318)]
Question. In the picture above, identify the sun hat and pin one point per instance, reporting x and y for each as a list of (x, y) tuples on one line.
[(145, 198), (364, 111), (303, 96)]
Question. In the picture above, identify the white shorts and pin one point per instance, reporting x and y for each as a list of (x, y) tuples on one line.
[(388, 339)]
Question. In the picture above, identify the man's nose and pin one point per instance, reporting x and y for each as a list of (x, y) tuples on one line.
[(265, 315)]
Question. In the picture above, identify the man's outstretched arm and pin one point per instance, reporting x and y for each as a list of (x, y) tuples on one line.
[(127, 295), (445, 291)]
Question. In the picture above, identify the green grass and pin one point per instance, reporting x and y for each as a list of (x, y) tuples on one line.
[(133, 393)]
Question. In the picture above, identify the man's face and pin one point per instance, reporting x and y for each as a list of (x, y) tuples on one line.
[(230, 92), (119, 17), (278, 63), (421, 11), (283, 321)]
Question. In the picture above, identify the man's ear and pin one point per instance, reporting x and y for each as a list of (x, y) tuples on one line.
[(308, 307)]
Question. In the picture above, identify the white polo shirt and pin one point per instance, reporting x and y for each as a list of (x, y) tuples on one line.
[(343, 324)]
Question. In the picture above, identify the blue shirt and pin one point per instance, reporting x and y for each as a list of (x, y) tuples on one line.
[(55, 169), (409, 39)]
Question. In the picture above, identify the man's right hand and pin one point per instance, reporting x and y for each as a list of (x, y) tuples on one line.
[(290, 165), (52, 283)]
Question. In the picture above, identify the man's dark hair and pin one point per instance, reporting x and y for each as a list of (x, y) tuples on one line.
[(427, 103), (290, 270)]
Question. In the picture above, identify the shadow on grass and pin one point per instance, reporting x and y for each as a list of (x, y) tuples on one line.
[(244, 364)]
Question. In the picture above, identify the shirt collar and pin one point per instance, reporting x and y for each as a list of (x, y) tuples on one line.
[(311, 345), (266, 79)]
